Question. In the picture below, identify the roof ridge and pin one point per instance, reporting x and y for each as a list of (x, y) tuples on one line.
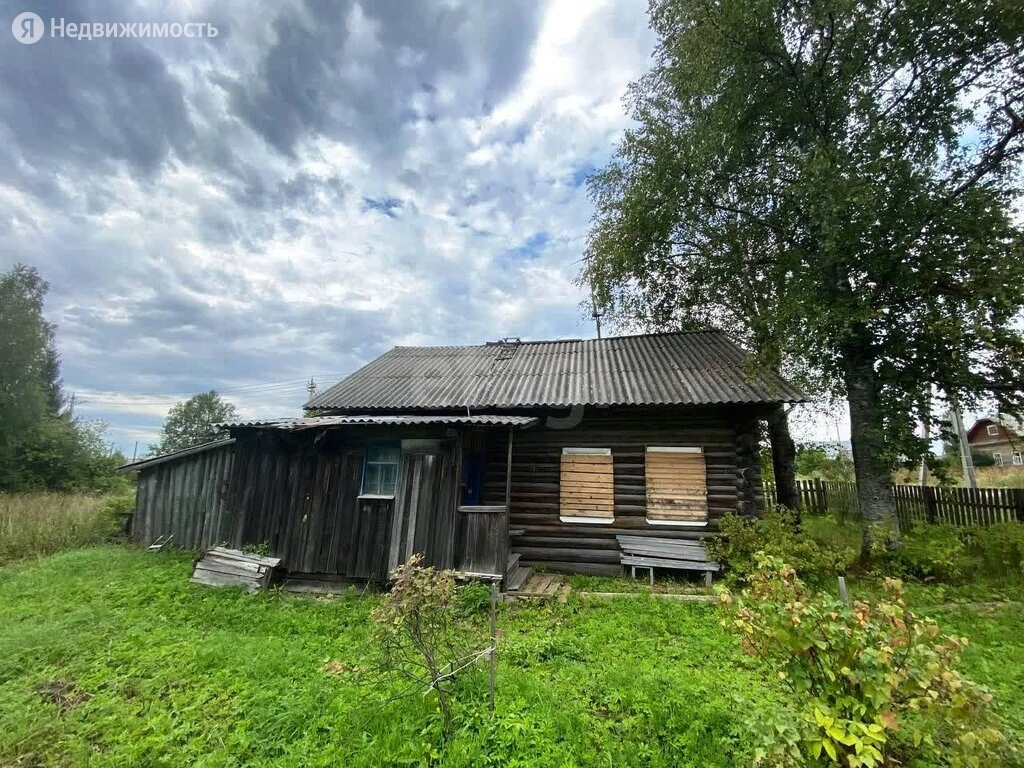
[(486, 345)]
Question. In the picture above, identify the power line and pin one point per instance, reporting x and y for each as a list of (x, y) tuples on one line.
[(243, 390)]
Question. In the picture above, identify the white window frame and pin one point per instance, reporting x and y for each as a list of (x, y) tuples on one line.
[(998, 458), (1018, 459), (584, 519), (993, 430), (676, 449)]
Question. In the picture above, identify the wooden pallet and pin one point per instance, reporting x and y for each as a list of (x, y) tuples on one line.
[(543, 586), (220, 567)]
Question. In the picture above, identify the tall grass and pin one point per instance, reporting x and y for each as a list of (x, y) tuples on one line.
[(34, 524)]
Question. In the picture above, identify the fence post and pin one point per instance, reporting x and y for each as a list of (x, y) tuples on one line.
[(820, 502), (930, 513)]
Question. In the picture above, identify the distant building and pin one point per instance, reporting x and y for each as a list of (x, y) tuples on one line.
[(1001, 437)]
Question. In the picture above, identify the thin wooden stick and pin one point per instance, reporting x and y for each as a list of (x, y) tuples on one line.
[(494, 634)]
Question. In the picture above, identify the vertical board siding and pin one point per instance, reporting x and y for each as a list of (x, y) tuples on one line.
[(481, 540), (184, 500)]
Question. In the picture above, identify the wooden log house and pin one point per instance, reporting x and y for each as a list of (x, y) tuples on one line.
[(489, 459)]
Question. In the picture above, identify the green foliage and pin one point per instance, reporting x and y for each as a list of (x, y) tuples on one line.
[(982, 459), (165, 672), (190, 422), (832, 531), (41, 446), (872, 684), (474, 599), (29, 382), (997, 550), (928, 552), (416, 632), (36, 524), (822, 462), (798, 171), (66, 454), (952, 554), (776, 534)]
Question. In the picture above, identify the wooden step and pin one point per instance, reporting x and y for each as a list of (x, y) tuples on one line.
[(544, 586), (516, 579), (513, 562)]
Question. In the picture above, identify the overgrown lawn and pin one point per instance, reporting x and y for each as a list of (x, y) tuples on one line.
[(41, 523), (108, 656)]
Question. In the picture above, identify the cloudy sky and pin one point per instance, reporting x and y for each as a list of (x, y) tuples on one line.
[(321, 181)]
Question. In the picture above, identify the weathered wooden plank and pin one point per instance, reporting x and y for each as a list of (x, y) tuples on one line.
[(663, 562)]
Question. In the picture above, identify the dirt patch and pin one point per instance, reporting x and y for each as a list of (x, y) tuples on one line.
[(65, 694)]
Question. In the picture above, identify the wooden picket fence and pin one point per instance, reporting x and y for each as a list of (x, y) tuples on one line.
[(915, 503)]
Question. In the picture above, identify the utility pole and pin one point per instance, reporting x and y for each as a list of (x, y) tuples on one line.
[(922, 474), (595, 312), (311, 388), (970, 479)]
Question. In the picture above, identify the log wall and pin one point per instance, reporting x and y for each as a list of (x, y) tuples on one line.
[(728, 437)]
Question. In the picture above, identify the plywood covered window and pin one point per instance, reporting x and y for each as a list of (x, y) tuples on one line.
[(677, 486), (586, 489)]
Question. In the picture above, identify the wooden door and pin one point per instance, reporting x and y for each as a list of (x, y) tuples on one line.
[(424, 512)]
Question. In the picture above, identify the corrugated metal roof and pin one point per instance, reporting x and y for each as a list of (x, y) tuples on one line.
[(314, 422), (696, 368), (174, 455)]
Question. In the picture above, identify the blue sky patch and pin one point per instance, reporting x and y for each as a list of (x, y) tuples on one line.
[(389, 206)]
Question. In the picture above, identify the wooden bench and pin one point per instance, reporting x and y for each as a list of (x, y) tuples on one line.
[(650, 553)]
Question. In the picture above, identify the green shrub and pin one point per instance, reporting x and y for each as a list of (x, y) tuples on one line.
[(997, 550), (776, 534), (474, 599), (927, 552), (832, 532), (417, 636), (871, 684)]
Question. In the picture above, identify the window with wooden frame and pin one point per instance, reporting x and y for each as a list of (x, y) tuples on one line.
[(998, 459), (586, 486), (1017, 458), (993, 430), (677, 486), (380, 470)]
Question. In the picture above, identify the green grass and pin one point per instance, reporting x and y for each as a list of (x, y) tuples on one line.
[(672, 583), (110, 657), (36, 524)]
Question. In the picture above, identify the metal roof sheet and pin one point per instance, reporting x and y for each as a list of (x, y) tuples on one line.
[(314, 422), (174, 455), (693, 368)]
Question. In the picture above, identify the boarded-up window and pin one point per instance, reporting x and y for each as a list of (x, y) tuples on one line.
[(587, 486), (677, 486)]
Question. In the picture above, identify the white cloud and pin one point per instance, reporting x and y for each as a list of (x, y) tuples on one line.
[(232, 230)]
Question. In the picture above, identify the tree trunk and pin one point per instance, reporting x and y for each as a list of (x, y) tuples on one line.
[(783, 460), (867, 439)]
